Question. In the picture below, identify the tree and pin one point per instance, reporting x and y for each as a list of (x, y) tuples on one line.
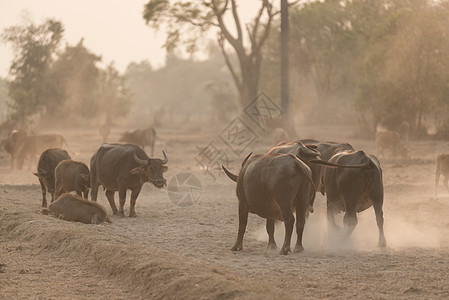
[(34, 47), (188, 21)]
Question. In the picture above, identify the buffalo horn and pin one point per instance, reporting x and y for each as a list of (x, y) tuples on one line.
[(244, 161), (165, 158), (230, 175), (140, 161)]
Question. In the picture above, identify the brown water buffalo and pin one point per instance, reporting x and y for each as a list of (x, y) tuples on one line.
[(140, 137), (442, 167), (302, 151), (21, 146), (119, 167), (72, 176), (390, 140), (353, 190), (273, 186), (74, 208), (46, 166)]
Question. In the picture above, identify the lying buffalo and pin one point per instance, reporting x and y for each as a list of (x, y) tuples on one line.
[(273, 186), (119, 167), (74, 208), (72, 176), (353, 190), (46, 166)]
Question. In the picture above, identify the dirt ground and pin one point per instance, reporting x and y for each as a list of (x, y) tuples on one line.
[(182, 251)]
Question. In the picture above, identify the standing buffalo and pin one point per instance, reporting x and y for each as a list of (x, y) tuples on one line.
[(72, 176), (21, 146), (442, 163), (74, 208), (46, 166), (120, 167), (140, 137), (353, 190), (273, 186), (390, 140)]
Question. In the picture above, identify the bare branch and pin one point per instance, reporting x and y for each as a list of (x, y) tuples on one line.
[(237, 21), (236, 78)]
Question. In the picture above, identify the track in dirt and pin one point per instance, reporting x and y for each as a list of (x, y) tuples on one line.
[(194, 242)]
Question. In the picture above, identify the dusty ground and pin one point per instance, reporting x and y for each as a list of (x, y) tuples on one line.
[(173, 251)]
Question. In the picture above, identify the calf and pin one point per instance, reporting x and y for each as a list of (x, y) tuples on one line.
[(74, 208), (273, 186), (46, 166), (442, 167), (72, 176)]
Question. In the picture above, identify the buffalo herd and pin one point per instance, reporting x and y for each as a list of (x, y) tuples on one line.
[(279, 185)]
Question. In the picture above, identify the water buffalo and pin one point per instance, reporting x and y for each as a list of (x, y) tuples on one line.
[(21, 146), (273, 186), (74, 208), (140, 137), (46, 166), (72, 176), (442, 167), (390, 140), (120, 167), (352, 190)]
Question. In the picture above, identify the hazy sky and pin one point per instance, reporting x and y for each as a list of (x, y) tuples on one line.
[(113, 29)]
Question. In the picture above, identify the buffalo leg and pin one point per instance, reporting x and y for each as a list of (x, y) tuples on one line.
[(446, 179), (270, 231), (44, 194), (349, 221), (301, 210), (85, 193), (331, 216), (110, 196), (243, 220), (289, 221), (380, 224), (94, 192), (134, 195), (122, 200)]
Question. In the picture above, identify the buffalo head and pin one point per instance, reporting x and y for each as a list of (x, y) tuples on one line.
[(152, 169)]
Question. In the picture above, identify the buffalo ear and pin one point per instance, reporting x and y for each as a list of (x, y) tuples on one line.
[(138, 170), (164, 168), (85, 176)]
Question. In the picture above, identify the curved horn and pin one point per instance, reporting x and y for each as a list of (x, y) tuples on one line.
[(165, 158), (230, 175), (140, 161), (244, 161)]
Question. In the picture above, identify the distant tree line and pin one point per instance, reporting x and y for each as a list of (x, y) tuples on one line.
[(59, 84), (382, 61)]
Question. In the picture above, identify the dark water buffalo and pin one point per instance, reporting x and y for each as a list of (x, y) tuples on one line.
[(46, 166), (74, 208), (352, 190), (72, 176), (273, 186), (13, 145), (326, 151), (120, 167), (442, 167), (141, 137)]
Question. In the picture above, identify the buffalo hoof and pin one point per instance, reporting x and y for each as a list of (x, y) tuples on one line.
[(237, 247), (299, 249), (121, 214), (272, 246), (382, 244), (133, 215), (285, 251)]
